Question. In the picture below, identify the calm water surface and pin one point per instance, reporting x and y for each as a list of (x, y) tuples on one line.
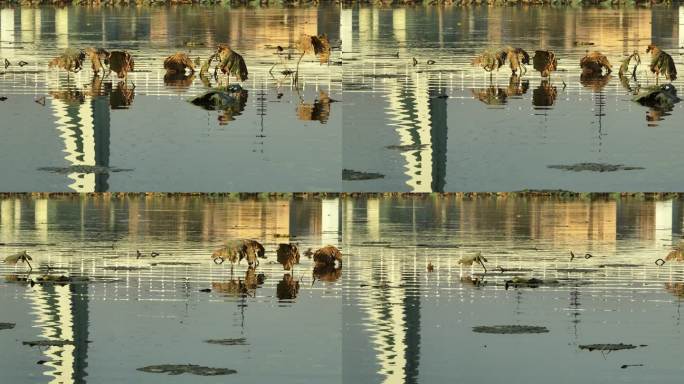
[(501, 134), (403, 324), (148, 137), (123, 320)]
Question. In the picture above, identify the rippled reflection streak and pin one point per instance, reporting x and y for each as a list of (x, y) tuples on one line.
[(84, 124), (393, 276)]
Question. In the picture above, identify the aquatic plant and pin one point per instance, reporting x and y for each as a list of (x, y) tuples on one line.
[(121, 62), (99, 58), (228, 61), (23, 257), (662, 63), (594, 64), (624, 66), (545, 62), (319, 110), (476, 258), (71, 60), (178, 63), (287, 288), (236, 250), (490, 60), (311, 44), (288, 255)]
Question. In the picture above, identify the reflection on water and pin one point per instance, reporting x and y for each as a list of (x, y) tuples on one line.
[(405, 324), (506, 143), (160, 311), (161, 116)]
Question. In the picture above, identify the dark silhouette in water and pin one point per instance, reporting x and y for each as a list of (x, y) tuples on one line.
[(328, 273), (122, 96), (241, 287), (179, 80), (288, 288), (595, 82), (544, 95)]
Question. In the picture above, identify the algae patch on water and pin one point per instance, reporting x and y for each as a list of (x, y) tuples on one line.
[(6, 326), (594, 167), (237, 341), (351, 175), (48, 343), (608, 347), (510, 329), (179, 369)]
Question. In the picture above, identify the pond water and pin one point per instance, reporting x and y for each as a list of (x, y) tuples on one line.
[(80, 133), (382, 318), (404, 324), (286, 326), (448, 126)]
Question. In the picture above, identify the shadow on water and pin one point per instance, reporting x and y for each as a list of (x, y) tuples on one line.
[(287, 289)]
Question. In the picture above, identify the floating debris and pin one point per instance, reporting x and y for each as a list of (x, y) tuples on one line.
[(510, 329), (6, 326), (608, 347), (238, 341), (124, 268), (408, 147), (618, 265), (58, 279), (594, 167), (529, 282), (94, 169), (382, 76), (631, 365), (351, 175), (233, 99), (174, 263), (179, 369), (662, 97), (49, 343)]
